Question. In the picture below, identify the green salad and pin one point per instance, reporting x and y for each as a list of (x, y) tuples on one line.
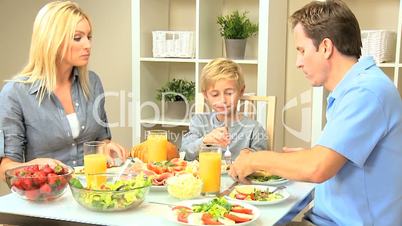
[(261, 178), (119, 195), (217, 207)]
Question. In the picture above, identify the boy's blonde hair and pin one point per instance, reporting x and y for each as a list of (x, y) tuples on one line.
[(221, 69), (53, 30)]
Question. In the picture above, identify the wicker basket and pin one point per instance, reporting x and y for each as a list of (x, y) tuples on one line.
[(173, 44), (380, 44)]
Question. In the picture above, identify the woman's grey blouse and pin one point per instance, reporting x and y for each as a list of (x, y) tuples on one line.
[(29, 130)]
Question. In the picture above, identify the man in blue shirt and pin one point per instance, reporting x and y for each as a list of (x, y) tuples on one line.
[(357, 160)]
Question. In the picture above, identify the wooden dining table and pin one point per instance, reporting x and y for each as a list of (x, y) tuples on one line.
[(66, 211)]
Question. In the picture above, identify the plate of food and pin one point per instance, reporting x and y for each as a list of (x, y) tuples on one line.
[(213, 211), (262, 178), (258, 194), (159, 188), (159, 172)]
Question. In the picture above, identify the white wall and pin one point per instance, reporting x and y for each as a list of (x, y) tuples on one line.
[(111, 53), (296, 85)]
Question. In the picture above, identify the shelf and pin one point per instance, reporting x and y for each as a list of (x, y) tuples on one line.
[(192, 60), (173, 122), (173, 60), (387, 65), (245, 61)]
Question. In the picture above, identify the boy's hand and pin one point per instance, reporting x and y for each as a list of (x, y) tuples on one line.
[(218, 136)]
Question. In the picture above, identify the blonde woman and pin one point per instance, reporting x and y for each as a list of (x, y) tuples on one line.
[(55, 104)]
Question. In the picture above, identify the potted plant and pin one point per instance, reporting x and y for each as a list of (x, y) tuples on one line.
[(177, 95), (236, 28)]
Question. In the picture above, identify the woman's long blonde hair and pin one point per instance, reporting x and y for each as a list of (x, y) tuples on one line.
[(53, 30)]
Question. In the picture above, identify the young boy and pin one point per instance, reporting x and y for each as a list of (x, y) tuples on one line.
[(222, 84)]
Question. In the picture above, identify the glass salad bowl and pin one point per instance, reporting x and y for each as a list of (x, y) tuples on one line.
[(108, 192)]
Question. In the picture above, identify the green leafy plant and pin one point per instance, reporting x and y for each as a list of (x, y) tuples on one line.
[(174, 88), (236, 26)]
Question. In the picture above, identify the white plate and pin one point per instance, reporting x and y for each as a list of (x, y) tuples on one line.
[(283, 192), (172, 217), (270, 182), (159, 188)]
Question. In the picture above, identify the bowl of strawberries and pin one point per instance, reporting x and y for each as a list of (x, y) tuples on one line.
[(39, 182)]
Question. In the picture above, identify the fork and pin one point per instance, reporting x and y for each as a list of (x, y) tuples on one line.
[(277, 189), (228, 190), (227, 155), (161, 203)]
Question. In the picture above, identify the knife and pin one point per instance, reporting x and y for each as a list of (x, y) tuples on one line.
[(228, 190)]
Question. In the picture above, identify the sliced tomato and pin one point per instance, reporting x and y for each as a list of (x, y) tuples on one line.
[(242, 210), (156, 169), (240, 196), (235, 218), (252, 196), (178, 162), (182, 217), (178, 168), (208, 220)]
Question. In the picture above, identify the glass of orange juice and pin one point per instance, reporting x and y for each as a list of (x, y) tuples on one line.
[(157, 145), (210, 168), (95, 162)]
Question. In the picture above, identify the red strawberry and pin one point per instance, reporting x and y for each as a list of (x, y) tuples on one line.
[(59, 170), (17, 183), (47, 169), (63, 180), (20, 173), (32, 194), (39, 178), (26, 184), (32, 168), (45, 189), (53, 180)]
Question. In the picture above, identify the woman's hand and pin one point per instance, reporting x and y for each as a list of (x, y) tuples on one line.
[(7, 163), (218, 136), (114, 150), (43, 161)]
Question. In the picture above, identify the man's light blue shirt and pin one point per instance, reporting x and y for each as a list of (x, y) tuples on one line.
[(364, 124)]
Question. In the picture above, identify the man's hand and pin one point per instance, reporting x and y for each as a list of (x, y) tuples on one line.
[(218, 136), (242, 167)]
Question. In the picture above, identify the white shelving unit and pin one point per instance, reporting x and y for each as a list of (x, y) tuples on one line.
[(264, 63), (372, 15)]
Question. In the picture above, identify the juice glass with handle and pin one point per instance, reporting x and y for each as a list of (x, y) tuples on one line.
[(210, 157), (157, 145), (95, 162)]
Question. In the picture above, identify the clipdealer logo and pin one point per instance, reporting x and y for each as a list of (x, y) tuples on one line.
[(126, 112)]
